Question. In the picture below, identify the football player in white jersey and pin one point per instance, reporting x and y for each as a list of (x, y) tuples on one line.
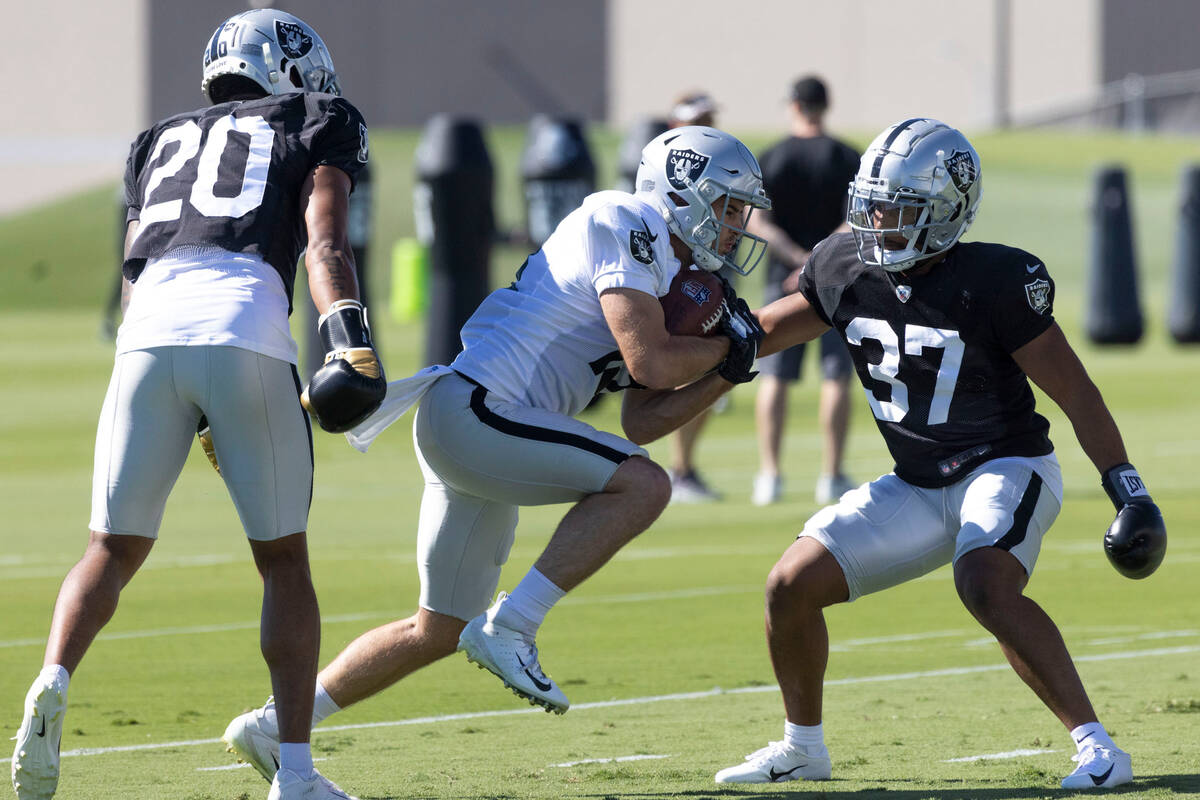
[(496, 428), (945, 336), (205, 336)]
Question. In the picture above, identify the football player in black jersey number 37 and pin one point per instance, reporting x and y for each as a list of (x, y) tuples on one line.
[(944, 337), (221, 202)]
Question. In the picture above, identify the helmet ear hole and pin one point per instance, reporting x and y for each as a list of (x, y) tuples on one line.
[(677, 199)]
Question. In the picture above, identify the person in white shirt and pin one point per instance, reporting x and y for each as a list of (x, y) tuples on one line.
[(495, 430)]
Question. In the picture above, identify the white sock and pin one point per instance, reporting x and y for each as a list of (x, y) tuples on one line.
[(1091, 733), (323, 705), (55, 673), (804, 737), (297, 757), (526, 608)]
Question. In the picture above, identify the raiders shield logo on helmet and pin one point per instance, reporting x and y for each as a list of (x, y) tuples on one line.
[(684, 167), (639, 245), (294, 42), (1038, 294), (962, 169)]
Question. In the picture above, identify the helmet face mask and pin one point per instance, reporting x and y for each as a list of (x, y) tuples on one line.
[(705, 183), (916, 192), (276, 50)]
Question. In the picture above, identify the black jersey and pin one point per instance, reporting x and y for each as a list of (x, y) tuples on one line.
[(807, 180), (934, 351), (230, 176)]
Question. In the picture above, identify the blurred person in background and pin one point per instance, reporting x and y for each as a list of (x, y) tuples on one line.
[(946, 337), (806, 176), (212, 240), (692, 108), (497, 429)]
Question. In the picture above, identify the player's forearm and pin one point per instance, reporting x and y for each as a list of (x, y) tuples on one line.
[(676, 360), (787, 322), (1095, 427), (331, 273), (647, 415)]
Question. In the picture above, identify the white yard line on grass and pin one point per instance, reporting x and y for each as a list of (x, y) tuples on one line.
[(716, 692), (608, 760), (1009, 754)]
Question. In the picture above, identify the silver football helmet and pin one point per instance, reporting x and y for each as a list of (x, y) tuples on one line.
[(916, 192), (683, 172), (273, 48)]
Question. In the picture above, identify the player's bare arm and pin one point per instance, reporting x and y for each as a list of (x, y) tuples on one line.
[(649, 414), (788, 321), (351, 384), (655, 358), (329, 258), (1051, 363)]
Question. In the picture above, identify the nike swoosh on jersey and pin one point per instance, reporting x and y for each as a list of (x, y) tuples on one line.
[(651, 236)]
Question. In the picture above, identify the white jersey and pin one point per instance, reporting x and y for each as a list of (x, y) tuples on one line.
[(209, 296), (543, 341)]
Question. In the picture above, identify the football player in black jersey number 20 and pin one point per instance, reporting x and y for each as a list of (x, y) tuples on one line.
[(221, 202), (944, 336)]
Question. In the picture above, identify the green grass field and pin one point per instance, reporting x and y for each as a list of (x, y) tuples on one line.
[(662, 652)]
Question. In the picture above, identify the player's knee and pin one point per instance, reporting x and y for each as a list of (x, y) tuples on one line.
[(647, 484)]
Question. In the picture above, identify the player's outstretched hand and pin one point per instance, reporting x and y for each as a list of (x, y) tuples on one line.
[(350, 385), (745, 335), (1136, 541)]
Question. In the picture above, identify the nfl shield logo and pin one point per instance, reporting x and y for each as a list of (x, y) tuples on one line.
[(684, 167), (294, 42), (696, 290), (903, 292), (1038, 294)]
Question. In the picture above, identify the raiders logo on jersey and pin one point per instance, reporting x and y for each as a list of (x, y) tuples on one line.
[(1038, 295), (639, 245)]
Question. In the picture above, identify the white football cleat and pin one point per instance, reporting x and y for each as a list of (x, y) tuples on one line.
[(254, 738), (1099, 767), (830, 488), (35, 757), (767, 489), (778, 762), (512, 658), (287, 785)]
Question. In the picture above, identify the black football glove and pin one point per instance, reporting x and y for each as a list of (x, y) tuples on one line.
[(350, 385), (745, 335), (1136, 541), (204, 434)]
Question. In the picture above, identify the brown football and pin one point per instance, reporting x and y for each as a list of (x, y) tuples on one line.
[(693, 304)]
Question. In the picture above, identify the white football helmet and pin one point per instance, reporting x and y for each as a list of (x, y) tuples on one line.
[(273, 48), (683, 172), (916, 192)]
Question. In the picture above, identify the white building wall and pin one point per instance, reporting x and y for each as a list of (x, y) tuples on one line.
[(75, 95), (882, 61)]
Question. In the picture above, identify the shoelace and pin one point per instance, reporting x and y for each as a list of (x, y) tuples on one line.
[(1092, 751), (770, 751)]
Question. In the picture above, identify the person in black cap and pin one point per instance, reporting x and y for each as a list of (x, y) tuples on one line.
[(806, 175)]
